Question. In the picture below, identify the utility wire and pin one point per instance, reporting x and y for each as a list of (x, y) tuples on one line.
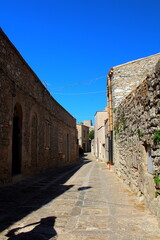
[(79, 93), (51, 89)]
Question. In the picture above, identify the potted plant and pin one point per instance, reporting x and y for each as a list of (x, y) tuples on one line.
[(109, 163)]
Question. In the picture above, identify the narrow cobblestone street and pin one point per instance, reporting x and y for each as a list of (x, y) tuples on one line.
[(88, 202)]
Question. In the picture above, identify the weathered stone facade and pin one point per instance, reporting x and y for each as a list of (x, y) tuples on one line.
[(126, 77), (136, 151), (83, 139), (36, 133), (99, 135)]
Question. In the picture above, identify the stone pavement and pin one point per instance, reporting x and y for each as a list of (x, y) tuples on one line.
[(93, 204)]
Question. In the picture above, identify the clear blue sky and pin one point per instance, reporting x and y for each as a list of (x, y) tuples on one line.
[(77, 41)]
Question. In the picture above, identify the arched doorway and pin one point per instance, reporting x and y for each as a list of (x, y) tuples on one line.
[(34, 125), (17, 140), (68, 149)]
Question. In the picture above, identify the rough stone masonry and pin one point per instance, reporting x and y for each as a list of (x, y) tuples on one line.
[(136, 144)]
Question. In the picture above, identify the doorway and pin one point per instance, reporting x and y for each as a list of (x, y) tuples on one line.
[(34, 130), (84, 147), (68, 148), (17, 140)]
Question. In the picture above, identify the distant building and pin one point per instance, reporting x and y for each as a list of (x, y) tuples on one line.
[(89, 124), (91, 128), (83, 139), (99, 135)]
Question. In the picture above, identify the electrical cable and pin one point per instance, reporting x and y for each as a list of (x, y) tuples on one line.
[(94, 79), (79, 93)]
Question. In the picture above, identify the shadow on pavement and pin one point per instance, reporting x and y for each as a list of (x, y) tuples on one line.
[(84, 158), (43, 231), (19, 199), (84, 188)]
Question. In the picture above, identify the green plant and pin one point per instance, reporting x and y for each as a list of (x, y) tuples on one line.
[(123, 121), (91, 135), (109, 162), (157, 179), (157, 194), (140, 133), (120, 125), (123, 118), (116, 128), (124, 126), (156, 136), (114, 110), (131, 132)]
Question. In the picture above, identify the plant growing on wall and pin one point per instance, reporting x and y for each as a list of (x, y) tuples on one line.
[(120, 125), (140, 133), (116, 128), (157, 182), (114, 110), (123, 121), (157, 194), (131, 133), (156, 136), (157, 179)]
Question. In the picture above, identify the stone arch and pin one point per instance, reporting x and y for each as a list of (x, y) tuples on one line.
[(68, 148), (17, 139), (34, 139)]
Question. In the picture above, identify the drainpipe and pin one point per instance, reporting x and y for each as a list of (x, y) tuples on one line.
[(110, 117), (109, 93)]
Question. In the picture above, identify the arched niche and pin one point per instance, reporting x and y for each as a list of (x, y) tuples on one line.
[(34, 139), (17, 139)]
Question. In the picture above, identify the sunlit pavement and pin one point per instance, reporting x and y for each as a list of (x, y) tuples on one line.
[(93, 204)]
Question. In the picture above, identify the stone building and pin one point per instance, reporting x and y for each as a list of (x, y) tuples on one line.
[(134, 108), (83, 139), (88, 123), (122, 79), (36, 133), (99, 135), (126, 77), (91, 129)]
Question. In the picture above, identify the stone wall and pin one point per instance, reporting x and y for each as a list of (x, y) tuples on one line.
[(128, 76), (136, 148), (44, 130)]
